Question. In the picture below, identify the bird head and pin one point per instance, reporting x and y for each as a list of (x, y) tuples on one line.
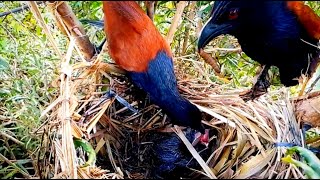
[(183, 113), (231, 17), (194, 117)]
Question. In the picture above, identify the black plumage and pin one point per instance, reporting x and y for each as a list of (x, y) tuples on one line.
[(171, 157), (270, 32)]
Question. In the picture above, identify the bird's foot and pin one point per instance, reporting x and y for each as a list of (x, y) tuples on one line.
[(250, 95), (256, 91)]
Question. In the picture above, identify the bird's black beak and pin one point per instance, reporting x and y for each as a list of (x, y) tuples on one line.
[(210, 31)]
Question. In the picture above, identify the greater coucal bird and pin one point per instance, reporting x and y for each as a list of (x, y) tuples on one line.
[(136, 45), (274, 33)]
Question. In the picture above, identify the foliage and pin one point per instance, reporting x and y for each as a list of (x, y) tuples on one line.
[(311, 166), (27, 67)]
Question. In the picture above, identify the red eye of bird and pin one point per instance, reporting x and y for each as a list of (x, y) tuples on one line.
[(233, 14)]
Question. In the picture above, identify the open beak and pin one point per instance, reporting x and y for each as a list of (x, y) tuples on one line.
[(210, 31), (202, 138)]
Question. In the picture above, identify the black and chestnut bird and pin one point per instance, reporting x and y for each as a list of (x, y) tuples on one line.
[(137, 46), (284, 34)]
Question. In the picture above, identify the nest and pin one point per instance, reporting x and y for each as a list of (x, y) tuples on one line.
[(122, 136)]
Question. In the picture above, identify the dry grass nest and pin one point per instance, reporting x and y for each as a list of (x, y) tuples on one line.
[(244, 143)]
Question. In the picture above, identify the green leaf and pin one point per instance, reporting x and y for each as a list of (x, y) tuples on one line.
[(96, 5), (3, 64), (33, 71), (311, 173), (4, 93), (86, 146), (170, 5)]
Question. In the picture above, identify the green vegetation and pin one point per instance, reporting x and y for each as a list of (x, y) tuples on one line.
[(311, 166)]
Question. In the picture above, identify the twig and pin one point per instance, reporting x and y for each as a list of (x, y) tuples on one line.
[(313, 84), (195, 154), (187, 32), (224, 49), (68, 150), (176, 18), (304, 85), (12, 138), (35, 10), (25, 174), (19, 9), (151, 7), (216, 115)]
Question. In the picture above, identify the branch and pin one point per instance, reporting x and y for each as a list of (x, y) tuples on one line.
[(187, 32), (65, 15), (52, 9), (199, 26), (180, 7), (151, 7)]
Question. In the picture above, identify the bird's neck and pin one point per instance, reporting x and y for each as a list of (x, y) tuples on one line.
[(180, 109)]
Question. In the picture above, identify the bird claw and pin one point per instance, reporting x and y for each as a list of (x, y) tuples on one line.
[(111, 93), (251, 94), (260, 88)]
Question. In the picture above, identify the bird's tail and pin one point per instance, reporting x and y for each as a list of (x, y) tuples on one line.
[(97, 23)]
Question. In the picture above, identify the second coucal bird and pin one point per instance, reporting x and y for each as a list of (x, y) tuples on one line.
[(137, 46), (274, 33)]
